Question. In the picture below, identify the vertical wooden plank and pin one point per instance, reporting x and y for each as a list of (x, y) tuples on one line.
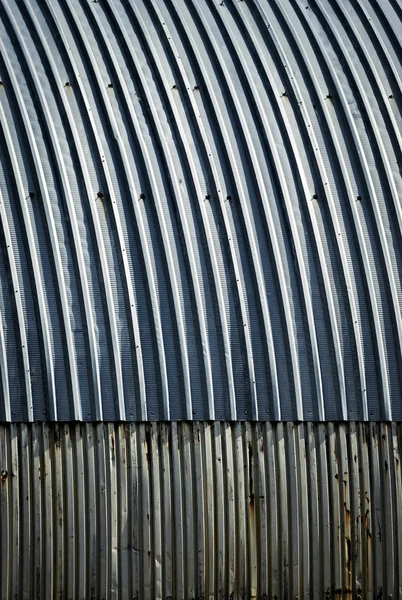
[(154, 465), (81, 517), (58, 509), (70, 562), (326, 526), (304, 515), (123, 513), (210, 574), (167, 510), (376, 507), (240, 509), (396, 451), (136, 522), (92, 490), (356, 509), (112, 502), (261, 498), (47, 507), (251, 483), (219, 509), (230, 520), (316, 588), (283, 512), (365, 485), (188, 510), (6, 540), (144, 457), (103, 525), (26, 516), (271, 474), (199, 515), (388, 510)]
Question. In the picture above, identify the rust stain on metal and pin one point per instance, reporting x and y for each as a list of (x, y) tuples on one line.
[(112, 445)]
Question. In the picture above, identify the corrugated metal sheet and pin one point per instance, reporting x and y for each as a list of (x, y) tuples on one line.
[(200, 210), (196, 510)]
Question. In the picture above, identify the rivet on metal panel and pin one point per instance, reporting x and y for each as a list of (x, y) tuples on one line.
[(196, 87), (67, 84), (110, 85), (284, 95), (315, 197), (228, 198), (31, 195), (99, 195), (328, 97), (142, 196), (207, 196), (174, 87), (359, 597), (358, 198), (3, 475), (390, 96), (222, 3)]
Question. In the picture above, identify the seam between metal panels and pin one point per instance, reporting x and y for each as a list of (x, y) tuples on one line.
[(37, 279)]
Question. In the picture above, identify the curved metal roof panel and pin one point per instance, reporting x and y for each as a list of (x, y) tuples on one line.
[(200, 210)]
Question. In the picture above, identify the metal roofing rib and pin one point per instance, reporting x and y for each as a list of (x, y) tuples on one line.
[(200, 210)]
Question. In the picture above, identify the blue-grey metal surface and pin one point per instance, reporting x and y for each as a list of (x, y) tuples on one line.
[(200, 210), (201, 510)]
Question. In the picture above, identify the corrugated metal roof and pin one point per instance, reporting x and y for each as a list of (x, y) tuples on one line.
[(200, 210), (169, 511)]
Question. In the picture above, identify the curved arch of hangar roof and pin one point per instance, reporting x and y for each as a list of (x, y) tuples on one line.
[(200, 210)]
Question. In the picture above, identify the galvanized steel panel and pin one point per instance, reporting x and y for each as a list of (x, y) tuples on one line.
[(200, 210), (200, 510)]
